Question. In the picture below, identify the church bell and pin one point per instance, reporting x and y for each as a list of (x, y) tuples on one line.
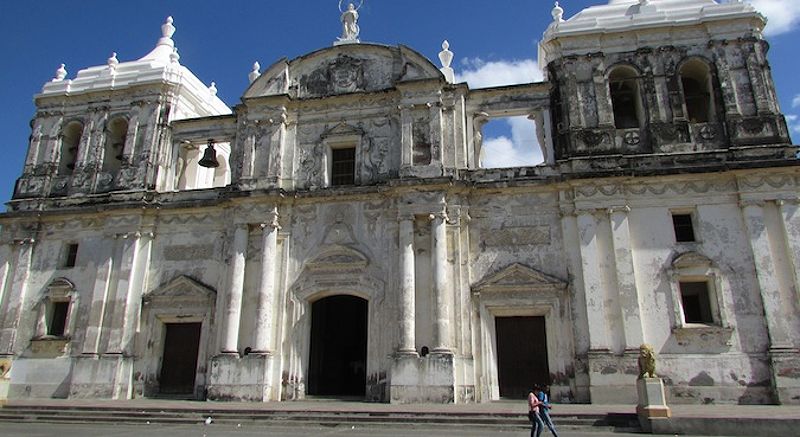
[(209, 159)]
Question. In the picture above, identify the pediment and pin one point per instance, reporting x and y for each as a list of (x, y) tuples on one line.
[(343, 69), (691, 259), (338, 257), (61, 283), (342, 131), (518, 277), (181, 288)]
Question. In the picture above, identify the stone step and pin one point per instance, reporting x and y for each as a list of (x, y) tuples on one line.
[(77, 414)]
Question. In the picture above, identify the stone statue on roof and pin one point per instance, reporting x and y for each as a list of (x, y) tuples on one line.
[(350, 29)]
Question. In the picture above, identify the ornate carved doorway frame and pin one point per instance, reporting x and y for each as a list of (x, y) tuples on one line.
[(521, 291)]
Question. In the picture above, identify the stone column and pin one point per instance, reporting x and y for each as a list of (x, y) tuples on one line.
[(14, 295), (630, 307), (593, 281), (441, 334), (266, 292), (476, 156), (233, 301), (408, 287), (767, 274)]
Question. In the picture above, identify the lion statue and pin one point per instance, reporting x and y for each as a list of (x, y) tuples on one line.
[(647, 361)]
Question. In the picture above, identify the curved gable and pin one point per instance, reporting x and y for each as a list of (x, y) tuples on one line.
[(344, 69)]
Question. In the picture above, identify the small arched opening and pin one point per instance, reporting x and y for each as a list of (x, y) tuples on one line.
[(70, 140), (696, 83), (626, 99), (115, 144)]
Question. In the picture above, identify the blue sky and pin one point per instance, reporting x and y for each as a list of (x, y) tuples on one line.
[(220, 40)]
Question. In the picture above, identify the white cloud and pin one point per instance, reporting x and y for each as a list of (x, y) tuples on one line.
[(481, 74), (796, 101), (783, 15), (793, 121), (522, 149)]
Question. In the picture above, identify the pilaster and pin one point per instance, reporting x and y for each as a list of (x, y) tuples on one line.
[(593, 281), (630, 306), (15, 295), (772, 295), (98, 304), (406, 136), (134, 257)]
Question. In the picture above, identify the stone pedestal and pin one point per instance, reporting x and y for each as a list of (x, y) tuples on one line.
[(428, 379), (785, 364), (102, 376), (5, 380), (652, 402), (247, 378)]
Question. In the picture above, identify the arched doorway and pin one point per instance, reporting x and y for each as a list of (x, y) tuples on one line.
[(338, 356)]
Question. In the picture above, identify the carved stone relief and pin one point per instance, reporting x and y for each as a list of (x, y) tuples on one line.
[(344, 74)]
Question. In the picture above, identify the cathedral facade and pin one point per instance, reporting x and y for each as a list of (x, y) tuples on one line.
[(335, 234)]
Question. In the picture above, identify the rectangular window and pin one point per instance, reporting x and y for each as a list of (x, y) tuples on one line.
[(343, 166), (71, 256), (696, 302), (684, 229), (58, 319)]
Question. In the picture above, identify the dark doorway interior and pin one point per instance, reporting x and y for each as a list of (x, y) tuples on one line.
[(338, 362), (521, 355), (179, 365)]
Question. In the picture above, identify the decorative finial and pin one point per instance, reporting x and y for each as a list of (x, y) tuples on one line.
[(446, 57), (61, 73), (167, 29), (213, 88), (174, 57), (254, 73), (558, 13), (113, 61)]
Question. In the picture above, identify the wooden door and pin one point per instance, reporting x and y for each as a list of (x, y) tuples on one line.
[(179, 363), (521, 355)]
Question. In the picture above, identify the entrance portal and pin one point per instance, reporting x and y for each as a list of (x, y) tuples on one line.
[(179, 363), (521, 355), (338, 361)]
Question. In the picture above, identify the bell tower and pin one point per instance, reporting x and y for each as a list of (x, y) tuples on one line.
[(107, 129), (656, 78)]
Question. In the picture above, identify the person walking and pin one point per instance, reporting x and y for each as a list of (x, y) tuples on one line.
[(544, 409), (534, 405)]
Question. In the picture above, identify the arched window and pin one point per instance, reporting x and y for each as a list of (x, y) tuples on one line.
[(70, 139), (115, 143), (696, 83), (625, 98), (697, 291), (56, 310)]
